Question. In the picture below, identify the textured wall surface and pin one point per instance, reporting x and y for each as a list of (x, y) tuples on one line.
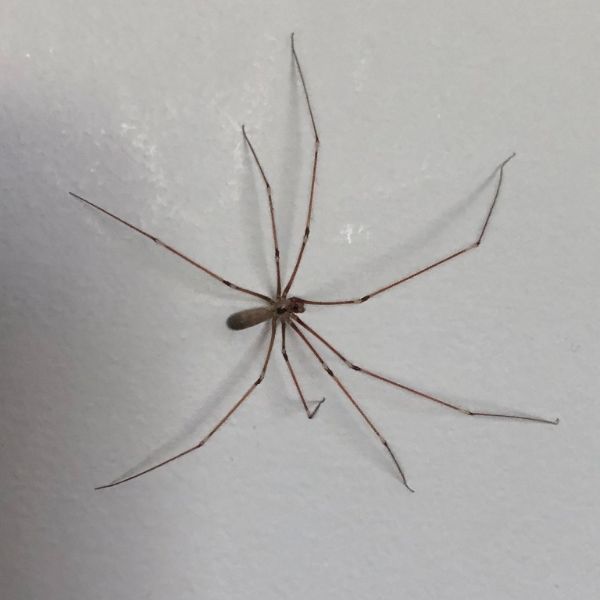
[(115, 355)]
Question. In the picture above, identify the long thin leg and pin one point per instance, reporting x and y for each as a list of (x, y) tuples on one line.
[(471, 246), (215, 428), (309, 413), (412, 390), (314, 173), (355, 404), (271, 210), (158, 241)]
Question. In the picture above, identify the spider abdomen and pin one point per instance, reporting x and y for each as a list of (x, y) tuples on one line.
[(249, 317)]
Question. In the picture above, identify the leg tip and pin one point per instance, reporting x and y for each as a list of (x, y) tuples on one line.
[(314, 412), (507, 160)]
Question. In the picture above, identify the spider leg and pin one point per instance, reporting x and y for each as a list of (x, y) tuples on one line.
[(215, 428), (166, 246), (446, 259), (313, 176), (271, 209), (420, 393), (309, 413), (355, 404)]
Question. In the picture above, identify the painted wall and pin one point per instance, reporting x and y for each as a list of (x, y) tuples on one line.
[(114, 354)]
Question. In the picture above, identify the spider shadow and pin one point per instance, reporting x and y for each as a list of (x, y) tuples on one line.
[(414, 245), (172, 269), (253, 221), (290, 155), (202, 415)]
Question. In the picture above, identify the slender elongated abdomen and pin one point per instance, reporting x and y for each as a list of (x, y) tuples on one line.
[(249, 317)]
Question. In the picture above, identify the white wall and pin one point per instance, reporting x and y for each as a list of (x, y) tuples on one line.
[(113, 354)]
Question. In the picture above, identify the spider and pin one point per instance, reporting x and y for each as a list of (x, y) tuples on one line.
[(283, 310)]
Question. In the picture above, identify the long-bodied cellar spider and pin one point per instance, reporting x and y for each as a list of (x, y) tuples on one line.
[(284, 309)]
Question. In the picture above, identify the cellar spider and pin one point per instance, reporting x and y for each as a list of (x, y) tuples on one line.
[(284, 310)]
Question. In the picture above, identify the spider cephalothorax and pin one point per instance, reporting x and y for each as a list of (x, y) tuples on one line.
[(295, 305)]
